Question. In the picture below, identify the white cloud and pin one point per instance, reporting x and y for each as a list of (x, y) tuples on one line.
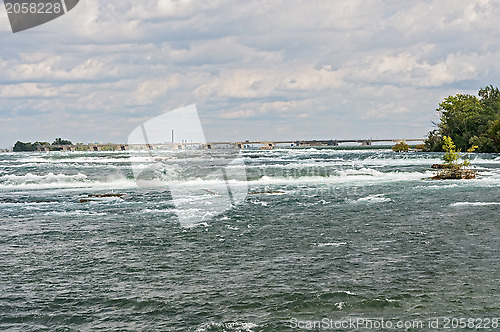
[(406, 69), (27, 90), (149, 90), (50, 69)]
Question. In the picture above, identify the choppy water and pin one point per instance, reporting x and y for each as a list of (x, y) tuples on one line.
[(342, 234)]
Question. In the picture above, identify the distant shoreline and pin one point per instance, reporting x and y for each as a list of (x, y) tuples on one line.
[(340, 147), (185, 145)]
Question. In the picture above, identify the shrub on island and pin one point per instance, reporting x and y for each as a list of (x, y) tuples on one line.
[(452, 169), (401, 147)]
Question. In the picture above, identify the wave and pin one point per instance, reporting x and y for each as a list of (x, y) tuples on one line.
[(228, 326), (353, 176), (364, 175), (33, 178), (82, 160), (74, 213), (51, 180), (332, 244), (474, 204), (376, 198), (25, 204), (156, 211)]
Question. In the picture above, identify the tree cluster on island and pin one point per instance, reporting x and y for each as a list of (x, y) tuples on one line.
[(401, 147), (468, 121), (23, 147)]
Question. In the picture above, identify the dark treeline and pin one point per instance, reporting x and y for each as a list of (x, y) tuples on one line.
[(469, 121), (22, 146)]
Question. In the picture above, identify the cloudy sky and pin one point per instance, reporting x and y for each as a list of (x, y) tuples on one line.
[(281, 69)]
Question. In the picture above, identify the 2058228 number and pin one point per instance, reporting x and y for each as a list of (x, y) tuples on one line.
[(471, 323), (33, 8)]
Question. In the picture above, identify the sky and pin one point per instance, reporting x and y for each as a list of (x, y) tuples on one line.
[(256, 70)]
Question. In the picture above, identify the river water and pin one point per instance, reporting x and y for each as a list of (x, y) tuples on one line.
[(320, 236)]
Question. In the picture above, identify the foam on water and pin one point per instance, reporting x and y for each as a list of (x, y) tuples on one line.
[(156, 211), (229, 326), (376, 198), (84, 160), (74, 213), (460, 204), (34, 178), (54, 181), (332, 244)]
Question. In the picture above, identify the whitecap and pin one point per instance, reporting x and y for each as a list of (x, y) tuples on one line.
[(53, 181), (377, 198), (74, 213), (236, 326), (332, 244), (474, 204)]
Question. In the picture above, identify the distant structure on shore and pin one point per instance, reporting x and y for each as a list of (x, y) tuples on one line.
[(262, 145), (83, 147)]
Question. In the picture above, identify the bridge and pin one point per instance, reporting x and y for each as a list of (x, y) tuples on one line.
[(310, 143), (264, 145)]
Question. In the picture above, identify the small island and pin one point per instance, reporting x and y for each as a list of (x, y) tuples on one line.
[(466, 123), (452, 169)]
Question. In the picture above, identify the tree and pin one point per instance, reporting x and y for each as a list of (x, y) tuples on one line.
[(490, 98), (434, 141), (461, 115), (451, 155), (468, 120), (401, 147), (494, 134), (21, 147), (59, 141)]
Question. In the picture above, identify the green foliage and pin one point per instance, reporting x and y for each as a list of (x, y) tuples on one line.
[(466, 157), (468, 120), (21, 147), (483, 143), (434, 142), (494, 134), (451, 155), (451, 169), (107, 148), (59, 141), (401, 147)]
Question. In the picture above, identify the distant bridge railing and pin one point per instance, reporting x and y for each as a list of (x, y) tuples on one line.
[(210, 145)]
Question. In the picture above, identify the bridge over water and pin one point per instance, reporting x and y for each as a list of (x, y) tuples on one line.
[(216, 145), (312, 143)]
